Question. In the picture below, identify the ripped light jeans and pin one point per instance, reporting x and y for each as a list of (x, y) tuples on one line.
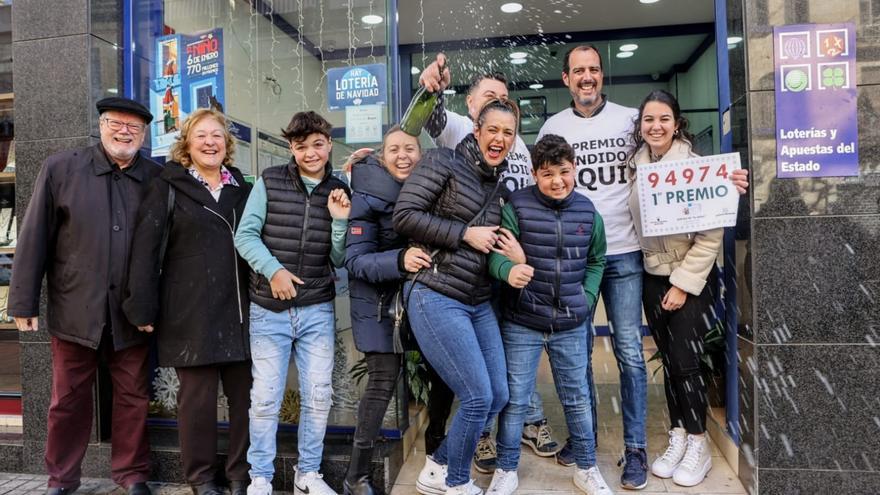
[(309, 333)]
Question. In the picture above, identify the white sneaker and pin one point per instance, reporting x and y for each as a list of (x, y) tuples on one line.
[(665, 465), (590, 481), (432, 479), (310, 484), (260, 486), (503, 483), (466, 489), (696, 463)]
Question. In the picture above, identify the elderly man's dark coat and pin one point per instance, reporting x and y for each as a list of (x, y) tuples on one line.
[(77, 231)]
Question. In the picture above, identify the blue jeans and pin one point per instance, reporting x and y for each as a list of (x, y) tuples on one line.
[(522, 347), (463, 344), (534, 414), (621, 291), (309, 332)]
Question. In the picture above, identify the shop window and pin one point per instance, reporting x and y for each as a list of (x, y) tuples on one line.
[(267, 61)]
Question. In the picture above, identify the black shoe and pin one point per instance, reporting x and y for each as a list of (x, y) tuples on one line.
[(238, 487), (208, 488), (55, 490), (565, 456), (139, 488), (361, 486), (357, 480)]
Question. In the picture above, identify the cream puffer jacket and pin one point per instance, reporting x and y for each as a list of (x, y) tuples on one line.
[(686, 259)]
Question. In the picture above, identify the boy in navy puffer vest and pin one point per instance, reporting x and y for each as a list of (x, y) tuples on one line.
[(292, 229), (553, 283)]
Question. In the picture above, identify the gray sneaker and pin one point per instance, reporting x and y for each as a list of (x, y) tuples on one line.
[(538, 436), (485, 455)]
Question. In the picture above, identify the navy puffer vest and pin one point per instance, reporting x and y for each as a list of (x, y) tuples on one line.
[(297, 232), (556, 237)]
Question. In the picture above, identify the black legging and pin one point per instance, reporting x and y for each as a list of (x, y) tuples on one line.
[(679, 337), (440, 399), (382, 370)]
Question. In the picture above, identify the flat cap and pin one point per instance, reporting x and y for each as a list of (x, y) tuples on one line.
[(124, 105)]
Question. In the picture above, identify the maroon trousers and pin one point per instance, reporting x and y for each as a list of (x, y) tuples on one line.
[(71, 410)]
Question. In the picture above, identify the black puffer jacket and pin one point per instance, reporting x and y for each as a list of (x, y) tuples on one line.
[(298, 231), (445, 191)]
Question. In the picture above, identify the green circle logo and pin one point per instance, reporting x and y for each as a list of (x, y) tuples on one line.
[(796, 80)]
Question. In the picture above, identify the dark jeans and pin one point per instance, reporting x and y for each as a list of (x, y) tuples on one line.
[(679, 337), (71, 412), (383, 370), (197, 420)]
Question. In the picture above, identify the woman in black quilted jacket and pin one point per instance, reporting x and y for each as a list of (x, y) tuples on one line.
[(451, 207)]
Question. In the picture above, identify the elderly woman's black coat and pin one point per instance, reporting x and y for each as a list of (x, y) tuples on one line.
[(198, 304)]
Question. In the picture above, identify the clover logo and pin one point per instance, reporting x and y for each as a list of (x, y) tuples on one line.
[(833, 77)]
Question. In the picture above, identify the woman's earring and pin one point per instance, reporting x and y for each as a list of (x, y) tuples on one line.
[(676, 132)]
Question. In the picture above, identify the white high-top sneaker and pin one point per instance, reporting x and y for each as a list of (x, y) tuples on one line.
[(696, 463), (503, 483), (432, 479), (468, 488), (665, 465), (260, 486), (591, 482), (310, 484)]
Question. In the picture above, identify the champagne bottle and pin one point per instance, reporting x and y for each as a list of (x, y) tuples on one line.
[(419, 111)]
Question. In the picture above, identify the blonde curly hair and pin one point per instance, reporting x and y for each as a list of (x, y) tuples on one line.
[(180, 148)]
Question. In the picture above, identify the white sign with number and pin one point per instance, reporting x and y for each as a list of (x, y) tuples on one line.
[(687, 195)]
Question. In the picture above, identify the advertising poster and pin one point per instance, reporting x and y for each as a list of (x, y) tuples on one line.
[(363, 124), (816, 113), (188, 74), (359, 85), (689, 195)]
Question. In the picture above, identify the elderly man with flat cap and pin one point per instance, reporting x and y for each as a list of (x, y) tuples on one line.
[(77, 232)]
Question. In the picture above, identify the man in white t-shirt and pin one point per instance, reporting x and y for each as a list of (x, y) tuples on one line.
[(599, 131), (447, 129)]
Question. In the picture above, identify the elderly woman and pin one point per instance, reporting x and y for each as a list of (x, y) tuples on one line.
[(451, 206), (187, 283)]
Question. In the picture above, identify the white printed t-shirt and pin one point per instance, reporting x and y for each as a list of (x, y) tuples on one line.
[(601, 146)]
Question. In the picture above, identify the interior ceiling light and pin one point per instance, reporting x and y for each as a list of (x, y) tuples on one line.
[(371, 19), (511, 8), (414, 70), (517, 61), (449, 91), (536, 86), (629, 47), (518, 55), (732, 40), (625, 54), (649, 1)]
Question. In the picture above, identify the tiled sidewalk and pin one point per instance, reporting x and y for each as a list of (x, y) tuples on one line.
[(29, 484)]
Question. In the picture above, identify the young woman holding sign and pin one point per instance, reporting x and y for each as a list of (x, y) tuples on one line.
[(678, 294)]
